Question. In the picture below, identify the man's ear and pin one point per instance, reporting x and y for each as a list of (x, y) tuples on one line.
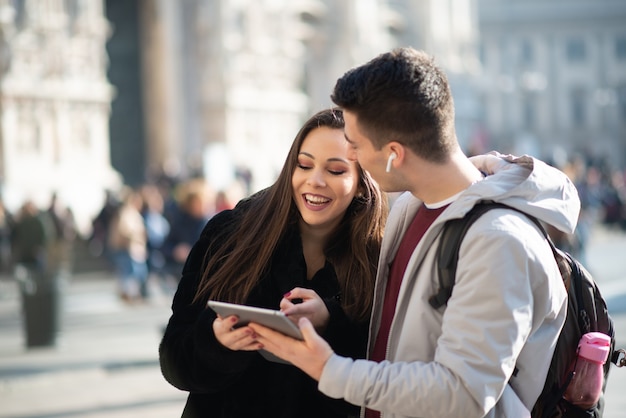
[(393, 149), (392, 157), (396, 148)]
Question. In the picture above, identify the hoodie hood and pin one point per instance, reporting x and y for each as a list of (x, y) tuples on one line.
[(527, 184), (524, 183)]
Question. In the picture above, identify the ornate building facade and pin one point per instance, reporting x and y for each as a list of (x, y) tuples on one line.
[(554, 79), (54, 104), (209, 87), (229, 82)]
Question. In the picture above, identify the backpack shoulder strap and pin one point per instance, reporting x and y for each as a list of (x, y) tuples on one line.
[(448, 250)]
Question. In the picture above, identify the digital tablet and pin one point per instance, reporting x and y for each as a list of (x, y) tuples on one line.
[(268, 317)]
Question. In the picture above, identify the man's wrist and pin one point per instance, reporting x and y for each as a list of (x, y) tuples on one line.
[(334, 376)]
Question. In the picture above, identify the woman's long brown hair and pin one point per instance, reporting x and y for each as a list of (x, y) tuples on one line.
[(232, 270)]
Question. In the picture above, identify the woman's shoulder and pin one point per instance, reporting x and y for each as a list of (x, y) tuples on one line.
[(246, 202), (224, 220)]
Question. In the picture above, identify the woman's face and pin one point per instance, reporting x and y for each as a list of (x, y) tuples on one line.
[(324, 181)]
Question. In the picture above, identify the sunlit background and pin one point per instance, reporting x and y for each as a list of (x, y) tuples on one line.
[(184, 98), (98, 94)]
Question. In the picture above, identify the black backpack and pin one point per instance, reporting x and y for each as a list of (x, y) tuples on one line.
[(586, 312)]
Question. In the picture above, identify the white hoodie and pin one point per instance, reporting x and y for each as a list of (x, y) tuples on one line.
[(507, 307)]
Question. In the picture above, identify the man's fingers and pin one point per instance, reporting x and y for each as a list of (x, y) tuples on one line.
[(268, 337), (309, 355), (307, 329)]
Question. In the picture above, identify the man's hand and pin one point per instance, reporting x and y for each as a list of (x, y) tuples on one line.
[(309, 355)]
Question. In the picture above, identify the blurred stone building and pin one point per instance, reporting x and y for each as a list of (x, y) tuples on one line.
[(554, 76), (226, 84), (96, 93), (99, 93), (54, 104)]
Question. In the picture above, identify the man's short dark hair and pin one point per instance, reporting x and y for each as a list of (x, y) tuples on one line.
[(401, 96)]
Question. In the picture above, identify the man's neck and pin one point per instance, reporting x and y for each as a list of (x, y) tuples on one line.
[(432, 183)]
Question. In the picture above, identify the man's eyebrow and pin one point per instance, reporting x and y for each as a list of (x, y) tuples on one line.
[(347, 139)]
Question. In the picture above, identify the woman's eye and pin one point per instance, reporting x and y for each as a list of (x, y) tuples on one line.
[(336, 172), (303, 166)]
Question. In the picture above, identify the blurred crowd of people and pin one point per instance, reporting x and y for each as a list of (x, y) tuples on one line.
[(39, 240), (146, 232), (142, 233), (602, 192)]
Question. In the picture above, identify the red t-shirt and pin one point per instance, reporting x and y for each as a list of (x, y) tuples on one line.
[(424, 218)]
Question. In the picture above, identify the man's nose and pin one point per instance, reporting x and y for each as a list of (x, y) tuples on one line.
[(352, 156)]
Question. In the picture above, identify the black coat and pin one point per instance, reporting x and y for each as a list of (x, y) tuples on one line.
[(231, 384)]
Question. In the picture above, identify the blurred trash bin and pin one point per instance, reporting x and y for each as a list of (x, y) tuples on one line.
[(39, 255), (41, 294)]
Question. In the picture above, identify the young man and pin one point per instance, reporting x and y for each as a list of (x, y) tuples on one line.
[(488, 351)]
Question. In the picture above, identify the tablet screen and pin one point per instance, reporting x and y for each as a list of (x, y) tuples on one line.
[(267, 317)]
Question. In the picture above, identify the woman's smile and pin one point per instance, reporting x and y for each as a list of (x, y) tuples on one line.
[(316, 202)]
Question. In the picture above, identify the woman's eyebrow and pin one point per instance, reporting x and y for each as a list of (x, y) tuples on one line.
[(341, 160)]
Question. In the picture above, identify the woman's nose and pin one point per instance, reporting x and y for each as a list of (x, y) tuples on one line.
[(316, 178)]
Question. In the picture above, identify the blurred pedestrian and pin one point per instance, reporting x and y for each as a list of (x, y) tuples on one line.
[(196, 206), (157, 230), (62, 219), (30, 237), (222, 201), (6, 226), (613, 201), (127, 242), (100, 225)]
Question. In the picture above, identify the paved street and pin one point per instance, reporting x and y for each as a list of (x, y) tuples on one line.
[(105, 364)]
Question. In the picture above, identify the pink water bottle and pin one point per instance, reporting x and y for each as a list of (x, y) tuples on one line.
[(586, 386)]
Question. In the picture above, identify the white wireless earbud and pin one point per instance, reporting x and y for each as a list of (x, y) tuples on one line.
[(392, 157)]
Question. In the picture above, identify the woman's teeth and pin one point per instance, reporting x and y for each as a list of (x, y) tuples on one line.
[(316, 200)]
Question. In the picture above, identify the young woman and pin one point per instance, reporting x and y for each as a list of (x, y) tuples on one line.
[(313, 235)]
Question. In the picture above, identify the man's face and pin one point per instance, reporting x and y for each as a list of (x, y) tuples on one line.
[(362, 150)]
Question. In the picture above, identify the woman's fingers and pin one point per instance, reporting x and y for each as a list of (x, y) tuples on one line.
[(286, 304), (304, 299), (242, 338), (311, 307), (299, 293)]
